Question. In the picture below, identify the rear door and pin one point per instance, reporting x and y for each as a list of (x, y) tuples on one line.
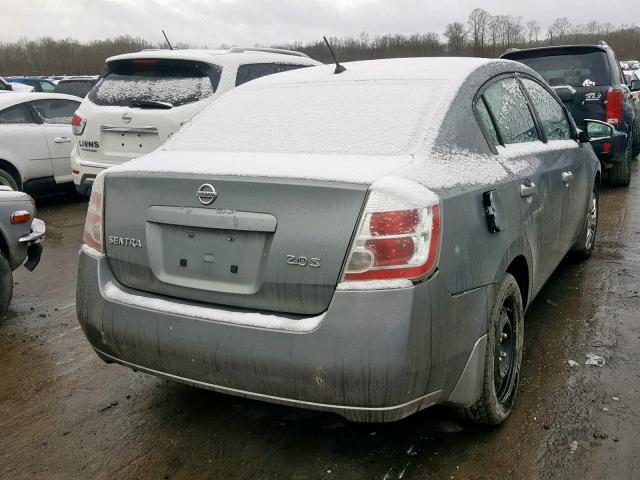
[(574, 179), (55, 115), (535, 169), (140, 103), (22, 142)]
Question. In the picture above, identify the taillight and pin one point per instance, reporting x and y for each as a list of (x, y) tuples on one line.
[(396, 243), (614, 107), (21, 216), (93, 226), (78, 123)]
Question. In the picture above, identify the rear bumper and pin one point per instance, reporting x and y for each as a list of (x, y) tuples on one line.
[(370, 357)]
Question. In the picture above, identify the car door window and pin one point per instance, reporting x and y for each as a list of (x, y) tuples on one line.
[(511, 112), (552, 116), (15, 115), (251, 71), (56, 112), (487, 122)]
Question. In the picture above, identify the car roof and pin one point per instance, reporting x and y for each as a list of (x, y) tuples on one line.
[(416, 68), (21, 97), (222, 57), (553, 49)]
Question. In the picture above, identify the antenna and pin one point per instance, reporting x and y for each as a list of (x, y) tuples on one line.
[(167, 39), (339, 68)]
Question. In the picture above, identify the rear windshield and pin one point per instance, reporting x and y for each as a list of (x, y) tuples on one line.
[(586, 69), (359, 118), (173, 82), (79, 88)]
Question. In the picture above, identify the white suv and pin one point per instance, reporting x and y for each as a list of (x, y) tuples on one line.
[(146, 96)]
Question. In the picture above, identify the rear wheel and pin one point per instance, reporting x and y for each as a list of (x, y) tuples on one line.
[(620, 173), (503, 356), (587, 239), (7, 180), (6, 285)]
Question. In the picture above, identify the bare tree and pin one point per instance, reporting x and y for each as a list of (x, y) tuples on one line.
[(559, 29), (533, 30), (456, 36), (478, 25)]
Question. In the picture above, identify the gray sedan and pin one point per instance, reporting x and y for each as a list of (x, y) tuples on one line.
[(363, 242)]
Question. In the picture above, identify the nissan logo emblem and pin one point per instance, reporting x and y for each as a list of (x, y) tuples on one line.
[(206, 194), (126, 117)]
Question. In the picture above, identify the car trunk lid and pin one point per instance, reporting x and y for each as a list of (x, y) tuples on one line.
[(271, 239)]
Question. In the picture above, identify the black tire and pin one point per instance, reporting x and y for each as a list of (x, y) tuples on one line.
[(6, 285), (587, 239), (636, 139), (620, 174), (503, 357), (7, 179)]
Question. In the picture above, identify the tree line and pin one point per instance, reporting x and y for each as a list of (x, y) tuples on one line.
[(482, 34)]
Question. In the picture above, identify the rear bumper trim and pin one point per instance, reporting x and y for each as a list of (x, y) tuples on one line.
[(38, 229), (350, 412)]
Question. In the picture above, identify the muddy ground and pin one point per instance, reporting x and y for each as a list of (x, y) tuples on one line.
[(66, 415)]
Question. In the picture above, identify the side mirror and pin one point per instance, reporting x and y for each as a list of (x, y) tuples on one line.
[(635, 85), (595, 131)]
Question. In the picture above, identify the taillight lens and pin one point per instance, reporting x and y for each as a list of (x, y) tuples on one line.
[(21, 216), (396, 244), (94, 224), (78, 123), (614, 107)]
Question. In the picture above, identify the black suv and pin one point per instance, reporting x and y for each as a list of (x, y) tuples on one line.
[(589, 81)]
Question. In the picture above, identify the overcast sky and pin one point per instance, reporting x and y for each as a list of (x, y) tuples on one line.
[(247, 22)]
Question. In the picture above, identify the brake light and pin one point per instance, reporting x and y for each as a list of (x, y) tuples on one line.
[(402, 243), (93, 227), (145, 61), (614, 107), (78, 123), (21, 216)]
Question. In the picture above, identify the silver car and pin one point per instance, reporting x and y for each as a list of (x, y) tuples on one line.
[(363, 242)]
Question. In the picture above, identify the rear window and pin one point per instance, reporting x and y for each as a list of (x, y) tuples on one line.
[(585, 69), (174, 82), (79, 88), (251, 71), (368, 118)]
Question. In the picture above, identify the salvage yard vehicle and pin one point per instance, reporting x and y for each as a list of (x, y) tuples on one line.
[(20, 239), (590, 82), (78, 86), (38, 84), (36, 140), (363, 242), (147, 96)]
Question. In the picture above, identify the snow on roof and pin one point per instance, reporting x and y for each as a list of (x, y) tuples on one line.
[(19, 97)]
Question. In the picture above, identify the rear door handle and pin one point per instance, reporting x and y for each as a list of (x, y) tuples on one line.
[(528, 190), (62, 139), (567, 178)]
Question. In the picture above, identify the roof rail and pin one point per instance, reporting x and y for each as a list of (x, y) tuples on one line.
[(268, 50), (509, 50), (602, 43)]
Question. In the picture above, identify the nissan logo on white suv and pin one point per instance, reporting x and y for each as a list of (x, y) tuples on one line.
[(206, 194)]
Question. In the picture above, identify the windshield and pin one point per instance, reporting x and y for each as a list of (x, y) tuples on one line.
[(352, 118), (577, 70), (168, 82), (79, 88)]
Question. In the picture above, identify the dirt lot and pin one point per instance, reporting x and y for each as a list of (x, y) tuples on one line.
[(66, 415)]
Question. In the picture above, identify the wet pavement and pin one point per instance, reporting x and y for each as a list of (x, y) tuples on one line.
[(66, 415)]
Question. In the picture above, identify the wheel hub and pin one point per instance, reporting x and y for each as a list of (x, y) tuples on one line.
[(505, 355)]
